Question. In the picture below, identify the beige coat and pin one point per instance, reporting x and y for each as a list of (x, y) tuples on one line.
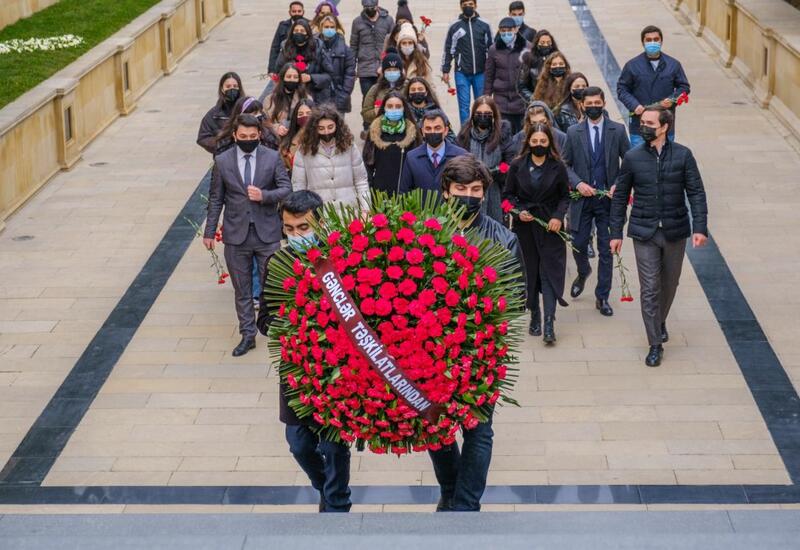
[(340, 178)]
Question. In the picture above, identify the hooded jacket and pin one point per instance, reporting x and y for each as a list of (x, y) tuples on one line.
[(467, 43), (366, 40), (558, 135), (502, 68)]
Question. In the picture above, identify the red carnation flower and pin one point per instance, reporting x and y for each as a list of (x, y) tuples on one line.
[(360, 243), (440, 285), (503, 167), (460, 241), (378, 103), (440, 268), (507, 206), (490, 273), (275, 77), (387, 290), (383, 307), (394, 272), (415, 256), (380, 220), (408, 217), (416, 272), (451, 91), (406, 235), (433, 223), (396, 254), (452, 298), (407, 287), (355, 227), (334, 237), (383, 235), (426, 240), (374, 253)]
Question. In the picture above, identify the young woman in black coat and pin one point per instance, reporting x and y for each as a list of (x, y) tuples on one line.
[(343, 63), (229, 91), (532, 61), (389, 139), (316, 71), (538, 188)]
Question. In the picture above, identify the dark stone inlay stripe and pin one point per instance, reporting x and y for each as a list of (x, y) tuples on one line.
[(771, 387), (48, 436)]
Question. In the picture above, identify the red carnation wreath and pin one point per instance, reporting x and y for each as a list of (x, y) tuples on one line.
[(396, 330)]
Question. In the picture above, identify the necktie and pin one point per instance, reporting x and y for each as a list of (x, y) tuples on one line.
[(248, 176), (596, 144), (435, 157)]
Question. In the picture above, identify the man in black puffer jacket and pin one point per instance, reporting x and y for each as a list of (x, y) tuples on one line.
[(663, 175)]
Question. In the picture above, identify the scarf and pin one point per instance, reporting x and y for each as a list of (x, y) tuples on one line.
[(477, 146), (393, 128)]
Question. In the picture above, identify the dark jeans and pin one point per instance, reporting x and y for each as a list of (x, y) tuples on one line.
[(366, 82), (659, 263), (326, 463), (516, 121), (597, 210), (462, 474)]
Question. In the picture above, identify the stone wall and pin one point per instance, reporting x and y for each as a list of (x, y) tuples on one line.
[(12, 11), (46, 129), (760, 41)]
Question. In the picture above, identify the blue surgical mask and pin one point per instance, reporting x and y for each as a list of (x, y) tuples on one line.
[(329, 33), (652, 48), (392, 76), (301, 243), (393, 115), (518, 19), (507, 37)]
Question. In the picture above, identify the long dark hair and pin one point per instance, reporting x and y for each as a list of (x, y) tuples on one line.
[(547, 89), (221, 94), (408, 114), (552, 149), (531, 58), (465, 135), (309, 145), (308, 51), (294, 127), (279, 100), (569, 80)]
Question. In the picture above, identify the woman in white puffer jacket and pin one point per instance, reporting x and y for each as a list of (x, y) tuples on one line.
[(328, 162)]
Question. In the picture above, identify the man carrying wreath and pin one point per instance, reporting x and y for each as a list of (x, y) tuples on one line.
[(461, 474)]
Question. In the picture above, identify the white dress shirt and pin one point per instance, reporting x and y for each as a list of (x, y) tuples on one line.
[(592, 126)]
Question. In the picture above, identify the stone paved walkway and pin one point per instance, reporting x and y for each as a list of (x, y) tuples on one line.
[(179, 410)]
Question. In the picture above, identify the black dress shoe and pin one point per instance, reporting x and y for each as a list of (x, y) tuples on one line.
[(244, 346), (578, 284), (321, 503), (445, 504), (549, 330), (535, 328), (590, 251), (654, 357), (604, 307), (664, 333)]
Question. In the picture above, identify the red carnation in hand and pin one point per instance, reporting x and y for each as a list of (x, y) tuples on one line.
[(378, 103), (425, 21), (275, 77), (451, 91), (507, 206), (503, 167)]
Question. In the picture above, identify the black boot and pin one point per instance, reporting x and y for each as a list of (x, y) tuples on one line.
[(549, 329), (535, 328)]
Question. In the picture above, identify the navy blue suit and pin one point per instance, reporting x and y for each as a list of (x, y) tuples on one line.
[(418, 171), (597, 167)]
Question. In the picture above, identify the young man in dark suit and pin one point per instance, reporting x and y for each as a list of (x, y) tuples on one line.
[(593, 151), (424, 165), (249, 181)]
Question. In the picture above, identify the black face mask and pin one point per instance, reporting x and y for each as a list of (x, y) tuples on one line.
[(299, 38), (473, 205), (434, 140), (418, 97), (290, 87), (370, 12), (468, 12), (231, 96), (484, 121), (558, 71), (577, 94), (539, 150), (648, 134), (247, 145), (544, 51), (327, 138), (593, 112), (296, 18)]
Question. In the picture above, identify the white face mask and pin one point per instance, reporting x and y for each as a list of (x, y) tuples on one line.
[(407, 50)]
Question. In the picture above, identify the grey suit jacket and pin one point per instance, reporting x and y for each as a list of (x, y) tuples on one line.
[(577, 155), (228, 190)]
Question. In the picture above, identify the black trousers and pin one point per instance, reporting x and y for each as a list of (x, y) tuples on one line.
[(597, 210), (516, 121)]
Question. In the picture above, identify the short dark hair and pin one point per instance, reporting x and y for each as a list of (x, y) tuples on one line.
[(516, 5), (297, 3), (665, 116), (652, 28), (246, 121), (433, 114), (302, 202), (465, 169), (591, 91)]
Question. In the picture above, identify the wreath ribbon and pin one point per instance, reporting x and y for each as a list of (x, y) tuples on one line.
[(369, 344)]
